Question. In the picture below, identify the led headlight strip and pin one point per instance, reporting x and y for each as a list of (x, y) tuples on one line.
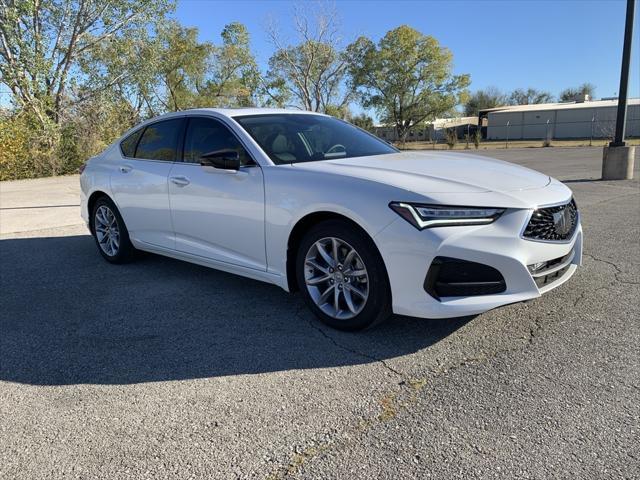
[(428, 216)]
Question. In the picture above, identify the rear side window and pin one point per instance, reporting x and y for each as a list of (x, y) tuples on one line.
[(128, 145), (160, 141)]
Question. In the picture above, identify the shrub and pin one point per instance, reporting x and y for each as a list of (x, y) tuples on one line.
[(451, 137), (15, 161), (477, 138)]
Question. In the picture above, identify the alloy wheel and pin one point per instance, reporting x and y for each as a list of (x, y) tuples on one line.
[(336, 278), (107, 231)]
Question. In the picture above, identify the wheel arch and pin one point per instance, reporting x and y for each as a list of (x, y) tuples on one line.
[(91, 201), (302, 226)]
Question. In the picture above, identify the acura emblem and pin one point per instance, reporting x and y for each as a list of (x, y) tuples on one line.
[(562, 221)]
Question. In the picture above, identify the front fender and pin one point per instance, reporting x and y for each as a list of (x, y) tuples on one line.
[(291, 195)]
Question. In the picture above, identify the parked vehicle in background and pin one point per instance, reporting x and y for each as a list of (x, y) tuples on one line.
[(311, 203)]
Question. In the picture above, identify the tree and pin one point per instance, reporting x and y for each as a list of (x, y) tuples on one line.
[(310, 74), (179, 71), (363, 121), (407, 77), (571, 94), (529, 96), (183, 68), (42, 40), (235, 76), (487, 98)]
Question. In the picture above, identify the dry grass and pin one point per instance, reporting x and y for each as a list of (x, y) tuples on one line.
[(501, 144)]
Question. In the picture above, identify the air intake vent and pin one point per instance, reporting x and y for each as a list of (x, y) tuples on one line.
[(452, 277)]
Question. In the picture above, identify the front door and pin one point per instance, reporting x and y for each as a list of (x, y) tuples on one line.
[(217, 214)]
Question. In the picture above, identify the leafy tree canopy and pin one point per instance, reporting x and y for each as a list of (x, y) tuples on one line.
[(407, 77), (530, 96), (486, 98), (571, 94), (41, 42)]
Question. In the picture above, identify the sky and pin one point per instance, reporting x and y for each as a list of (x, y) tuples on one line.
[(548, 45)]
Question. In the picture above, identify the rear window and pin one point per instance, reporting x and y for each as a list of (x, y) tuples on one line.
[(160, 141), (128, 145)]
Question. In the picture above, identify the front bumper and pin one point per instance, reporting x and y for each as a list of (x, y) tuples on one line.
[(408, 254)]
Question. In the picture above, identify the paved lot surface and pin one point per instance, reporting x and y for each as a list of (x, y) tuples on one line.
[(160, 369)]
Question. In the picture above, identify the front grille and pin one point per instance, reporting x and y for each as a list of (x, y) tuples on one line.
[(553, 224), (452, 277)]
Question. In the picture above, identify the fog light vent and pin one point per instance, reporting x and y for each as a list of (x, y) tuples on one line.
[(452, 277)]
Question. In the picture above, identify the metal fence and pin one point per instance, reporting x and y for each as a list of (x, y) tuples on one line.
[(566, 130)]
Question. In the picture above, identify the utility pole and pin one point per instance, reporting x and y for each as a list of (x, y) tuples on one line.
[(618, 158), (621, 118)]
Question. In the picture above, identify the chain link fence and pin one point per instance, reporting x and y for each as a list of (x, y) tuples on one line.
[(594, 129)]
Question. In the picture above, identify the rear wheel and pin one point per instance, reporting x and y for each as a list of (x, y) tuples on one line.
[(342, 276), (110, 232)]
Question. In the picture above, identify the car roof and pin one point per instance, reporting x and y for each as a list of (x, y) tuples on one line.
[(236, 112), (225, 112)]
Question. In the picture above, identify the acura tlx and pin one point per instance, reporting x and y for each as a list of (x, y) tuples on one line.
[(314, 204)]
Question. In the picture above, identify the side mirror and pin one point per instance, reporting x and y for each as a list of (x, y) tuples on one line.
[(223, 159)]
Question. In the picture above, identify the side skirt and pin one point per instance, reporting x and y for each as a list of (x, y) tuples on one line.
[(262, 276)]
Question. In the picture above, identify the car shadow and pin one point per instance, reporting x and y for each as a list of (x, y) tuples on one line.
[(69, 317)]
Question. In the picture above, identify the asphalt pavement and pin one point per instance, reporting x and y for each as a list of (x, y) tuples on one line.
[(162, 369)]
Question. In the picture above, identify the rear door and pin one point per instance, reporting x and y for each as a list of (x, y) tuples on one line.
[(140, 182), (217, 214)]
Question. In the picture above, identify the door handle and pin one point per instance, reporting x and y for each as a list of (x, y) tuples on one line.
[(125, 168), (180, 181)]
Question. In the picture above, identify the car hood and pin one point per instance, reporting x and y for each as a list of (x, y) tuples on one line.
[(429, 173)]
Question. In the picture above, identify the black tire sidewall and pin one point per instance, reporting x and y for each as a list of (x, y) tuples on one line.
[(126, 250), (378, 306)]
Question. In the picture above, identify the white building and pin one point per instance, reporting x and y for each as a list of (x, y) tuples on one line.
[(428, 132), (587, 119)]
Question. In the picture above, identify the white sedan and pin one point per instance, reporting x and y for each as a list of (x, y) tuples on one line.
[(311, 203)]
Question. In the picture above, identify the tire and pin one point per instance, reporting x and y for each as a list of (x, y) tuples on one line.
[(120, 250), (316, 276)]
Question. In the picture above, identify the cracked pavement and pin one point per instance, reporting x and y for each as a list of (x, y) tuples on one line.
[(162, 369)]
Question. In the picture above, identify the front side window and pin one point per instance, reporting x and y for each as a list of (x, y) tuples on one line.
[(294, 137), (205, 135), (160, 141)]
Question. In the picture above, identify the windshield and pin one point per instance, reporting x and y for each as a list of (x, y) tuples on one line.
[(292, 137)]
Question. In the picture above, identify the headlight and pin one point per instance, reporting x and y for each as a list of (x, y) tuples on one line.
[(428, 216)]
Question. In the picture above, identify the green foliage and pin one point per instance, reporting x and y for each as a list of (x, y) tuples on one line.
[(363, 121), (27, 150), (83, 72), (15, 160), (477, 138), (407, 77), (487, 98), (529, 96), (41, 44), (310, 74), (571, 94), (491, 97), (338, 111), (451, 137), (236, 78)]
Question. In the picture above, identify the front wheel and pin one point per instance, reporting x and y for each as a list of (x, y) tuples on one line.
[(342, 276)]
